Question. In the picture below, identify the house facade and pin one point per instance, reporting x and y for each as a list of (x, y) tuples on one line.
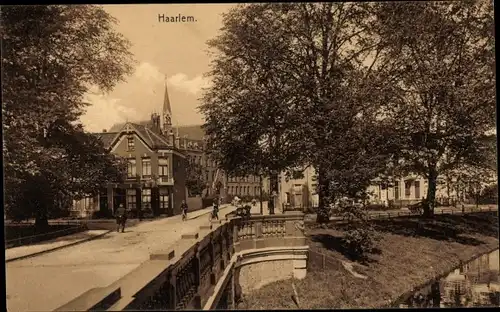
[(400, 192), (299, 193), (194, 145), (155, 182), (158, 154)]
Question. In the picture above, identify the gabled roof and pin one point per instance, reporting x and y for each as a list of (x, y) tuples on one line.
[(119, 126), (152, 139)]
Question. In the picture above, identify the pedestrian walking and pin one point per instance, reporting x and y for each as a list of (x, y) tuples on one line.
[(184, 209), (121, 218)]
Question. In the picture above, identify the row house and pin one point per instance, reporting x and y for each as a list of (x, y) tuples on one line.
[(194, 146), (244, 186), (301, 192), (156, 171)]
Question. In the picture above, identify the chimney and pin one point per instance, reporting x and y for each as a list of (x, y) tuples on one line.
[(155, 122)]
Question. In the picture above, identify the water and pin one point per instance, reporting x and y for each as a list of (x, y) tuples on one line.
[(474, 284)]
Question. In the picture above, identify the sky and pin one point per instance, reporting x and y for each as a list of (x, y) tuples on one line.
[(177, 51)]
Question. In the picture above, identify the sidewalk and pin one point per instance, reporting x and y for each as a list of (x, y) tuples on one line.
[(22, 252)]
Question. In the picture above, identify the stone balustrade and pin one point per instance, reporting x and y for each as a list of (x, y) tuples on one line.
[(195, 272)]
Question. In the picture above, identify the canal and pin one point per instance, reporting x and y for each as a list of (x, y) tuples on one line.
[(473, 284)]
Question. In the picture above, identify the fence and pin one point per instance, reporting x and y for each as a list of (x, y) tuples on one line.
[(193, 266), (32, 239), (395, 214)]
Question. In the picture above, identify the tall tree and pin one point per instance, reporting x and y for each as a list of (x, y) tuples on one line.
[(441, 69), (250, 113), (51, 56), (289, 82)]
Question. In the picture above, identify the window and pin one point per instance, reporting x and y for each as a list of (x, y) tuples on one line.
[(417, 189), (131, 170), (163, 167), (130, 143), (146, 167), (131, 199), (163, 201), (407, 189), (146, 198)]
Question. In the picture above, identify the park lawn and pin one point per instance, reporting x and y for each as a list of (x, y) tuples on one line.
[(408, 256)]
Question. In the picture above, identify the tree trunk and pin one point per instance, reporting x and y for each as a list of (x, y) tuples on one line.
[(448, 182), (431, 194), (323, 214), (260, 195)]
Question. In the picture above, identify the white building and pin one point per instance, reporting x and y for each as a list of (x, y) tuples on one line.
[(301, 192)]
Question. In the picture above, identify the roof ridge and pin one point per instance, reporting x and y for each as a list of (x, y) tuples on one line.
[(150, 138), (158, 136)]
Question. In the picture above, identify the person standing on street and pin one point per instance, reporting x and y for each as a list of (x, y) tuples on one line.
[(184, 209), (121, 218)]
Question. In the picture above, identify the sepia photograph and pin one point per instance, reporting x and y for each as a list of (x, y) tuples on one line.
[(250, 156)]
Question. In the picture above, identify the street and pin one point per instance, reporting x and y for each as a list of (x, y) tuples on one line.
[(45, 282)]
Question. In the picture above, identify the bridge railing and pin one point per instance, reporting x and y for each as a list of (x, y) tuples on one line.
[(184, 275)]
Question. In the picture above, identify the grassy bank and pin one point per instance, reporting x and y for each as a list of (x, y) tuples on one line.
[(409, 253)]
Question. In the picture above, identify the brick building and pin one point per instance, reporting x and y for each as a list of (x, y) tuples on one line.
[(158, 154), (194, 136)]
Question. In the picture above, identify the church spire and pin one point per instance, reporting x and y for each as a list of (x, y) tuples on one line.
[(167, 110)]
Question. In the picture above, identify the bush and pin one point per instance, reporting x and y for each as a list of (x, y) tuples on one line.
[(360, 240), (243, 212)]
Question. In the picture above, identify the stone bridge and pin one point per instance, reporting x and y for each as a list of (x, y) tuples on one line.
[(208, 269)]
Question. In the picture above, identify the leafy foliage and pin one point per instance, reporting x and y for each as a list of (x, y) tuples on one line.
[(288, 85), (441, 86), (53, 55), (358, 90), (195, 178)]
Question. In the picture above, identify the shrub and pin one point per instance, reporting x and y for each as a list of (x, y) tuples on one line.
[(360, 240)]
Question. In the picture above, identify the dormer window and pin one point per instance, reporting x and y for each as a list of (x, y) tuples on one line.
[(130, 143)]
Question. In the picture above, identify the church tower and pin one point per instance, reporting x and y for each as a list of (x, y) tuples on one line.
[(167, 110)]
